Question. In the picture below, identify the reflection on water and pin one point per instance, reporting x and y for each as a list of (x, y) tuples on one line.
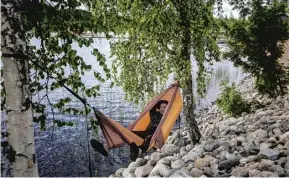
[(64, 151)]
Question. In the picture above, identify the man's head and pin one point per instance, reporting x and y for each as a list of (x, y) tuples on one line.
[(162, 104)]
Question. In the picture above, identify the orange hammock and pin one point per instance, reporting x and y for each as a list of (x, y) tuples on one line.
[(116, 135)]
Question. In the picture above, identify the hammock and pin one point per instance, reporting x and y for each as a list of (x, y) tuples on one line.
[(116, 135)]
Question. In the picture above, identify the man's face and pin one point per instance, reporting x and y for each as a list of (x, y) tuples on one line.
[(163, 108)]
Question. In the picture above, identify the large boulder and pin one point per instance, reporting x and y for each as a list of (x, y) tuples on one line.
[(143, 171)]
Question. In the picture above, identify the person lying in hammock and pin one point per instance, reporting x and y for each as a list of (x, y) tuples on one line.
[(150, 130), (154, 123)]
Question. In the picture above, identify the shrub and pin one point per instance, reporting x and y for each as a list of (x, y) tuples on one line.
[(231, 101)]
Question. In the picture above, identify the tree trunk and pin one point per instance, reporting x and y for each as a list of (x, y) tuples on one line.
[(18, 104), (188, 96)]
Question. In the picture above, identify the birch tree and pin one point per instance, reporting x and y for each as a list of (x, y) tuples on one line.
[(16, 83), (158, 38)]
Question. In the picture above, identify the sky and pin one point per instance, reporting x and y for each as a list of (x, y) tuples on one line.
[(227, 10)]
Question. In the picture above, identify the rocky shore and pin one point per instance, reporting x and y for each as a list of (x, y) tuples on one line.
[(253, 145)]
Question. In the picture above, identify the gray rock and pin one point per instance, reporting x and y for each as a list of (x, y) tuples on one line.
[(269, 153), (258, 134), (251, 148), (130, 169), (178, 164), (240, 172), (233, 142), (170, 149), (189, 147), (284, 138), (286, 146), (286, 166), (119, 172), (212, 145), (268, 174), (260, 114), (240, 140), (209, 172), (195, 153), (244, 114), (143, 170), (279, 99), (196, 172), (180, 142), (156, 156), (272, 140), (286, 104), (161, 170), (265, 145), (228, 164), (147, 157), (164, 161), (282, 161), (127, 171), (130, 175), (273, 126), (265, 164), (141, 161), (203, 162), (221, 156), (248, 159), (254, 173), (152, 162), (181, 173), (277, 131), (221, 149), (278, 170)]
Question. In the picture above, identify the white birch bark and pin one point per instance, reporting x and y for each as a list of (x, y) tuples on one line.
[(18, 104)]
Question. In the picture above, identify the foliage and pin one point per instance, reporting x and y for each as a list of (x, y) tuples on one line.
[(57, 24), (256, 42), (231, 101), (150, 42)]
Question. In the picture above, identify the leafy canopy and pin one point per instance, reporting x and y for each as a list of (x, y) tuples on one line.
[(150, 42), (256, 42), (54, 64)]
